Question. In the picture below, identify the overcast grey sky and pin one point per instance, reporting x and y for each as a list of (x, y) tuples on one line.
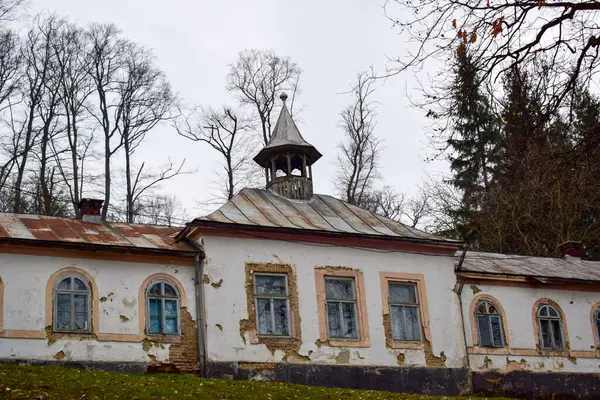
[(331, 40)]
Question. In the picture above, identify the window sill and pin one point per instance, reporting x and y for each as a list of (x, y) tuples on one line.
[(173, 339), (348, 343), (407, 345)]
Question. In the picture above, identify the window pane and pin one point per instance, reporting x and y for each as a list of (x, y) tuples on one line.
[(351, 327), (155, 324), (78, 284), (63, 320), (558, 342), (342, 289), (545, 331), (80, 322), (154, 305), (402, 293), (334, 320), (65, 284), (281, 317), (482, 308), (492, 309), (552, 312), (170, 291), (264, 317), (171, 308), (80, 302), (483, 324), (270, 284), (413, 327), (598, 328), (155, 289), (63, 302), (397, 323), (171, 325), (496, 331), (544, 311)]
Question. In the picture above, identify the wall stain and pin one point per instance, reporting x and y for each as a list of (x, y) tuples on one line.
[(206, 279), (103, 299), (475, 289), (220, 327), (129, 304), (123, 318), (401, 358), (59, 356), (343, 357), (217, 285)]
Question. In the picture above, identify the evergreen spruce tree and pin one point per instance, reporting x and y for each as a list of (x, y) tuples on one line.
[(473, 143)]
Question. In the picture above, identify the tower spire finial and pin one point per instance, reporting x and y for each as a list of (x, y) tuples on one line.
[(283, 96)]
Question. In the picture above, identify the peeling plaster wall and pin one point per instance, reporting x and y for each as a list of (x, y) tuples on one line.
[(226, 304), (518, 303), (118, 283)]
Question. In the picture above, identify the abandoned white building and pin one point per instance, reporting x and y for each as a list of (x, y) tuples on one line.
[(280, 283)]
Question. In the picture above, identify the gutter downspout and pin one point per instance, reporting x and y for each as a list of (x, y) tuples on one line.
[(200, 319), (458, 291)]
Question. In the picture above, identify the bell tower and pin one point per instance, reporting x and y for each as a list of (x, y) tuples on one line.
[(288, 159)]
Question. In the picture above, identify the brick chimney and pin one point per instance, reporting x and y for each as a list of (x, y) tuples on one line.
[(90, 209), (570, 249)]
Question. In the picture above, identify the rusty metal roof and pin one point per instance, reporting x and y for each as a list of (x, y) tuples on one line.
[(543, 267), (322, 213), (54, 229)]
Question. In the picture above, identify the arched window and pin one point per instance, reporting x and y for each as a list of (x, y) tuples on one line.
[(489, 324), (551, 332), (72, 305), (163, 308)]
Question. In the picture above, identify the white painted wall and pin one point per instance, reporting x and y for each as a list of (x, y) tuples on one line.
[(518, 303), (25, 279), (226, 306)]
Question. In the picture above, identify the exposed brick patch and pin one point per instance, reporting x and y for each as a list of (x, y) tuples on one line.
[(59, 356), (431, 359), (289, 346), (217, 285), (183, 357)]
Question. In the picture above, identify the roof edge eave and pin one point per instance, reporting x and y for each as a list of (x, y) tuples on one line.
[(540, 279), (384, 238), (105, 248)]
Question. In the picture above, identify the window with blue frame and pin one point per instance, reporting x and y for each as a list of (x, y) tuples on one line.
[(163, 309)]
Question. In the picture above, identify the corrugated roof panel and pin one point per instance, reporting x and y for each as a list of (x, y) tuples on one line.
[(54, 229), (494, 263), (288, 209), (321, 213), (250, 211), (268, 209)]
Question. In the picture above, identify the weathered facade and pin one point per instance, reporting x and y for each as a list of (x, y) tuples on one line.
[(284, 284)]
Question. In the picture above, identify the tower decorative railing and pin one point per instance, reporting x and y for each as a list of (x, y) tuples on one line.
[(292, 187)]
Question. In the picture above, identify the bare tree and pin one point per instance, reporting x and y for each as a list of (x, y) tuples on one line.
[(226, 132), (257, 77), (143, 182), (504, 35), (10, 9), (145, 100), (75, 88), (38, 58), (359, 153), (105, 58), (164, 210)]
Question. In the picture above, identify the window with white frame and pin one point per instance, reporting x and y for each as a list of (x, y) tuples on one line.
[(340, 296), (163, 309), (489, 325), (72, 305), (404, 311), (550, 325), (272, 304)]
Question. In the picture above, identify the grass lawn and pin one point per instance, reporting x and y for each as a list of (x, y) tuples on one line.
[(53, 382)]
